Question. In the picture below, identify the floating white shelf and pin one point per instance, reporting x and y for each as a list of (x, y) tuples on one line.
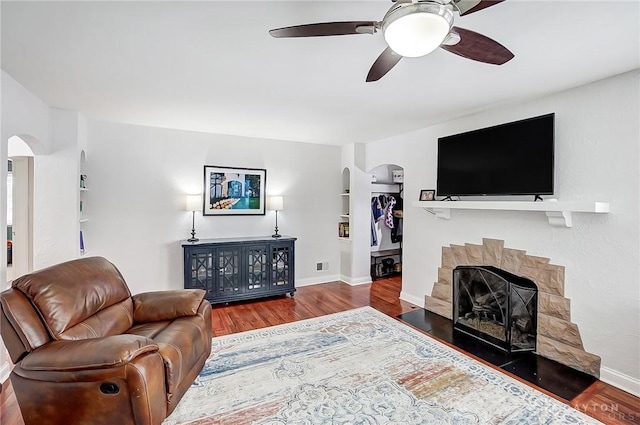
[(558, 213), (385, 187)]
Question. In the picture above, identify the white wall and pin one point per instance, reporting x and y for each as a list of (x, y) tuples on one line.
[(355, 252), (56, 199), (138, 178), (597, 159), (25, 115), (54, 136)]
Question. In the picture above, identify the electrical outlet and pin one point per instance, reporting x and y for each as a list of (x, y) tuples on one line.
[(322, 266)]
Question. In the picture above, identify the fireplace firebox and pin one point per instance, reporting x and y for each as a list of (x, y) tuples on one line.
[(496, 307)]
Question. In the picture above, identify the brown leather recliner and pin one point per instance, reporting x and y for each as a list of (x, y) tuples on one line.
[(86, 352)]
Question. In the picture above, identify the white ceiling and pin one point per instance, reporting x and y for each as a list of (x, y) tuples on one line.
[(211, 66)]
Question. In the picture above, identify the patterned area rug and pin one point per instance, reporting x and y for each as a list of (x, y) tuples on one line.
[(356, 367)]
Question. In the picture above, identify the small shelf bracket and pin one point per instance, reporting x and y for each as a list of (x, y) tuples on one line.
[(441, 213), (559, 218)]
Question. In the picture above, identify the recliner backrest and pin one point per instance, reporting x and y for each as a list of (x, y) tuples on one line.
[(84, 298)]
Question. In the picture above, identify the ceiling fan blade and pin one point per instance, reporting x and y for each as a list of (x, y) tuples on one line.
[(326, 28), (387, 60), (469, 6), (478, 48)]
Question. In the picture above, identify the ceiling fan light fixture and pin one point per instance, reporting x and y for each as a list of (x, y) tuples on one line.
[(417, 29)]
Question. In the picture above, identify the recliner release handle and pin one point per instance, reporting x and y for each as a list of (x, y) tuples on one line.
[(109, 388)]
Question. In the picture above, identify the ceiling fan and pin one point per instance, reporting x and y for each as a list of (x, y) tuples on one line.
[(414, 28)]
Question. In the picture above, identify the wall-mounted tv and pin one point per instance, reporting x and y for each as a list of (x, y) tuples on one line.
[(516, 158)]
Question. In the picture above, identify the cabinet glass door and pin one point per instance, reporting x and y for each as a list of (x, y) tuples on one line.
[(258, 268), (202, 271), (228, 281), (280, 266)]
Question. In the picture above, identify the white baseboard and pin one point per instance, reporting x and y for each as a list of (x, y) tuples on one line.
[(620, 380), (354, 281), (316, 280), (412, 299)]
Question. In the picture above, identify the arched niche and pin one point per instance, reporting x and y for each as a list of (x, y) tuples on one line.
[(346, 180), (387, 188)]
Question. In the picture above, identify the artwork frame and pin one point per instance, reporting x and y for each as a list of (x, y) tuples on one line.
[(427, 195), (234, 191)]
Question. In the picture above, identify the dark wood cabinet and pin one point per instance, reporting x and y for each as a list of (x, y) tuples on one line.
[(234, 269)]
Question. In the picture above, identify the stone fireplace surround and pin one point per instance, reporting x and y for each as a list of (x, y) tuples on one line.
[(557, 337)]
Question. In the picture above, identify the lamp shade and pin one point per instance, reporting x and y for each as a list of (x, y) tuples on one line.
[(417, 29), (194, 202), (275, 203)]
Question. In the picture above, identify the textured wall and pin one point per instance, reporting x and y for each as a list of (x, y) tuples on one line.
[(597, 159)]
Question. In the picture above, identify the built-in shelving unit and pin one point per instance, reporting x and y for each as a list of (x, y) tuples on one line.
[(82, 217), (558, 213), (344, 224)]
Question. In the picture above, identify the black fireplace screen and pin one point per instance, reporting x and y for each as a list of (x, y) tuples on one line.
[(495, 306)]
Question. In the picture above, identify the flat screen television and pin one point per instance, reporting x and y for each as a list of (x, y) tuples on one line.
[(516, 158)]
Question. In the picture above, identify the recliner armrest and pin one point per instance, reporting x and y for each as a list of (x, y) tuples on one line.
[(86, 354), (166, 305)]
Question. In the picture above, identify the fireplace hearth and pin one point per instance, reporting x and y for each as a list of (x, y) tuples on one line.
[(558, 338), (496, 307)]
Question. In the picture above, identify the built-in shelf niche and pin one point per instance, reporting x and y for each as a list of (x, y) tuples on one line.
[(558, 213), (344, 223), (82, 213)]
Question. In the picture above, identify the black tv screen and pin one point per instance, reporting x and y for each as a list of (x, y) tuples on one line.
[(508, 159)]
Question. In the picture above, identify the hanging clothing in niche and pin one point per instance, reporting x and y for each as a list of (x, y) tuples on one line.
[(377, 211), (388, 217), (389, 209), (396, 231)]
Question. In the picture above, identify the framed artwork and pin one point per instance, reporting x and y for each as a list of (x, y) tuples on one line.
[(234, 191), (427, 195)]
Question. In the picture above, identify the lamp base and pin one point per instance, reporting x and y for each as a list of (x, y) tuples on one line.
[(193, 228), (275, 235)]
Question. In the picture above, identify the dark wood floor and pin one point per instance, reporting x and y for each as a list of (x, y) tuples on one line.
[(601, 401)]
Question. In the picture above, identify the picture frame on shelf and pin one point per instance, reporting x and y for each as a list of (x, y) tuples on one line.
[(427, 195), (234, 191)]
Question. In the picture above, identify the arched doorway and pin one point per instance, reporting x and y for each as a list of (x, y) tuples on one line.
[(387, 203), (20, 179)]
